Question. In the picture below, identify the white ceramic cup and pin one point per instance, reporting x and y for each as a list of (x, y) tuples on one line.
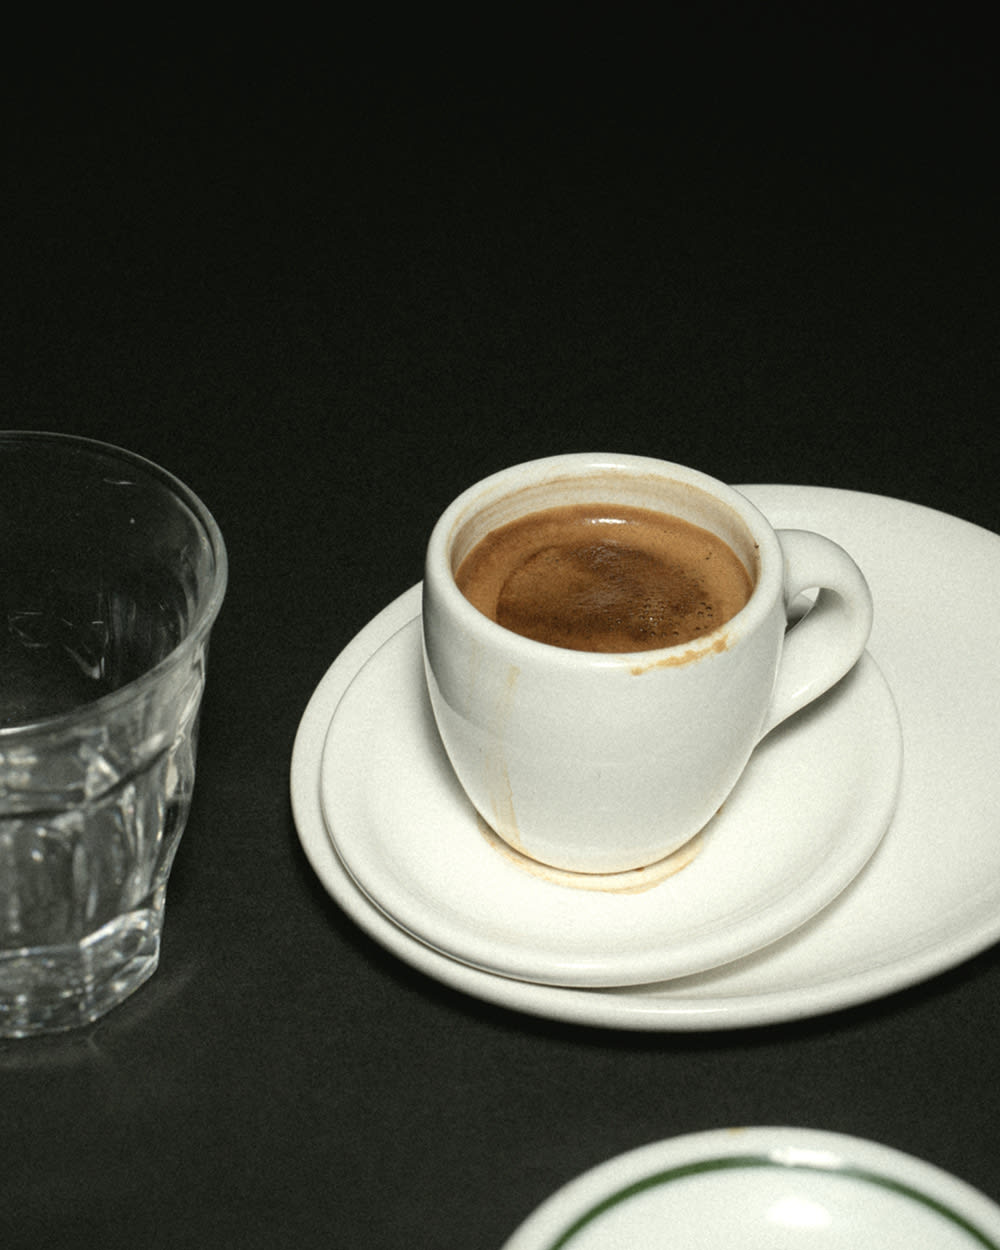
[(603, 763)]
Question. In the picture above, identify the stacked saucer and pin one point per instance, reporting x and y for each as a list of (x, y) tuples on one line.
[(802, 823), (789, 902)]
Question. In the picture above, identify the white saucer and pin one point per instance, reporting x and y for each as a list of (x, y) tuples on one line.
[(930, 896), (764, 1189), (803, 821)]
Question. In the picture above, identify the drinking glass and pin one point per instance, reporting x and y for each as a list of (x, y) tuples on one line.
[(112, 574)]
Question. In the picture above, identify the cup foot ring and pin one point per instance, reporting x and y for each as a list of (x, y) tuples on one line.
[(633, 881)]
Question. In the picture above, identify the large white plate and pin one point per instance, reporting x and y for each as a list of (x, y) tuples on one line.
[(763, 1189), (804, 819), (930, 896)]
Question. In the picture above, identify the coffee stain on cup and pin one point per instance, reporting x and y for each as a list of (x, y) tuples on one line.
[(501, 794), (688, 656)]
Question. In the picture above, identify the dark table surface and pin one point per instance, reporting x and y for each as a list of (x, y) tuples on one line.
[(330, 281)]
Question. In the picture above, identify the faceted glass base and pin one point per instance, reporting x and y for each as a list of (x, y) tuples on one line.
[(47, 989)]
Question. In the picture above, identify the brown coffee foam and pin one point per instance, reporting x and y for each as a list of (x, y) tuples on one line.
[(606, 578)]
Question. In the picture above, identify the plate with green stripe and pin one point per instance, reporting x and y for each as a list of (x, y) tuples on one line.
[(763, 1189)]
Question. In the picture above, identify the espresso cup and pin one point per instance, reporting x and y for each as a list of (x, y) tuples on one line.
[(608, 760)]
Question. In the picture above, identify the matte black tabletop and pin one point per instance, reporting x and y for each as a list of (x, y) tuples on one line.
[(329, 281)]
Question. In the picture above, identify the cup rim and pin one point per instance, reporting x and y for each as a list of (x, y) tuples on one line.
[(203, 619), (439, 574)]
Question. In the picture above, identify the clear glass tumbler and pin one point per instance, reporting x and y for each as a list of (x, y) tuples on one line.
[(111, 575)]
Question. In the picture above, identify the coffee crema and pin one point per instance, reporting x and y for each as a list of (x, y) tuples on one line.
[(605, 577)]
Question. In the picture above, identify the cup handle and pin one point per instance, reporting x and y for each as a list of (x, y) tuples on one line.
[(830, 639)]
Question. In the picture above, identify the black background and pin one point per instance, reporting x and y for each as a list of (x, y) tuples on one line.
[(330, 277)]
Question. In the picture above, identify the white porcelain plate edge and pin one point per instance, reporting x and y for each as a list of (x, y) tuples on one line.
[(780, 1188)]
